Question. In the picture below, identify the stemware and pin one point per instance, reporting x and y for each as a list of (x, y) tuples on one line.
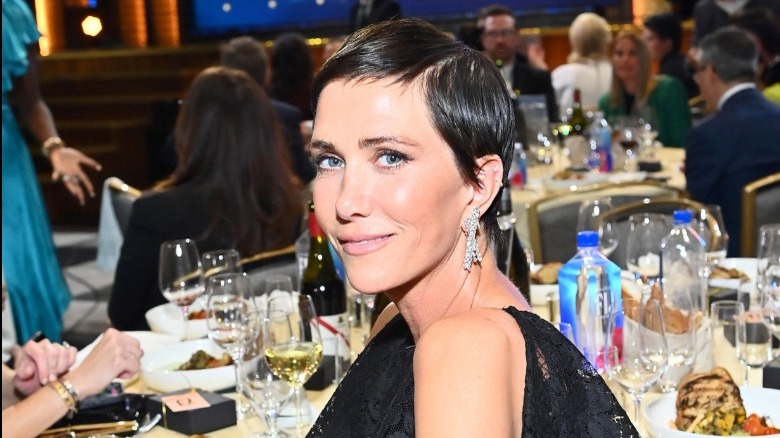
[(590, 218), (221, 261), (227, 309), (637, 356), (643, 245), (648, 132), (629, 137), (181, 275), (708, 222), (293, 344), (266, 393), (754, 339), (768, 275), (680, 320)]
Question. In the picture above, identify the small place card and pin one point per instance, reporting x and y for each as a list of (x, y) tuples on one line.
[(187, 401)]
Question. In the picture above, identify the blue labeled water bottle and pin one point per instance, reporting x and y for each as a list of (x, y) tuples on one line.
[(590, 292)]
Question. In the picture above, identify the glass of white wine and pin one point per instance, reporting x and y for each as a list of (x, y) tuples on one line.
[(637, 355), (180, 275), (293, 343)]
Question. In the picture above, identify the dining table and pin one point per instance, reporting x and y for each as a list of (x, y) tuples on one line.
[(538, 185)]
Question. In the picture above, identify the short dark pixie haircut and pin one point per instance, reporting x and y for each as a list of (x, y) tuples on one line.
[(467, 99), (666, 26)]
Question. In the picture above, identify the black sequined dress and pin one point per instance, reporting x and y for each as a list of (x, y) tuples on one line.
[(564, 395)]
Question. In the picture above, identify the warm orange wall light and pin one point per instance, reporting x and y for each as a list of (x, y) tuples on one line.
[(91, 26), (43, 26)]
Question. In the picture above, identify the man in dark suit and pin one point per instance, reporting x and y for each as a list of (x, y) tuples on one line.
[(247, 54), (501, 43), (739, 142), (711, 15), (367, 12)]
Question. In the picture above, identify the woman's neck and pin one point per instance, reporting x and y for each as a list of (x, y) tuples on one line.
[(629, 86)]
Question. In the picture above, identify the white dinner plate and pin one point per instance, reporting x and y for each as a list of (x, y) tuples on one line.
[(167, 318), (157, 368), (562, 185), (660, 413), (746, 265)]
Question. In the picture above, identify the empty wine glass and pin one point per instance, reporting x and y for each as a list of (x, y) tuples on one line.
[(181, 275), (266, 393), (754, 339), (293, 344), (648, 132), (680, 320), (591, 216), (708, 223), (637, 355), (227, 310), (724, 316), (221, 261), (643, 245)]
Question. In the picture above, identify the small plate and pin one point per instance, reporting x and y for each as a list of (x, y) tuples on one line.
[(157, 368), (660, 412), (168, 318), (746, 265)]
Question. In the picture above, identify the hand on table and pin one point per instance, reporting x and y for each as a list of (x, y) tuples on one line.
[(115, 355)]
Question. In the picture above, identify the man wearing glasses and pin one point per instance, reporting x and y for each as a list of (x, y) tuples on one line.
[(501, 44), (737, 143)]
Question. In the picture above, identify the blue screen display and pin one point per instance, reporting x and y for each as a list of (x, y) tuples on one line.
[(235, 16)]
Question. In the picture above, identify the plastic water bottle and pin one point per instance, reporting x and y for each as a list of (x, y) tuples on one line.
[(684, 261), (590, 292), (518, 171), (601, 139)]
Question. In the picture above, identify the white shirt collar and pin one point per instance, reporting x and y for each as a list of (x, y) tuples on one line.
[(732, 91)]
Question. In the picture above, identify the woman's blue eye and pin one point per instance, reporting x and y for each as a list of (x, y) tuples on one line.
[(391, 159), (328, 162)]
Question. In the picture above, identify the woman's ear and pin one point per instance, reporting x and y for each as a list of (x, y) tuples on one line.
[(489, 174)]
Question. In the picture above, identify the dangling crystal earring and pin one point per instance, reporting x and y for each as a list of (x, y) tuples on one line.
[(472, 250)]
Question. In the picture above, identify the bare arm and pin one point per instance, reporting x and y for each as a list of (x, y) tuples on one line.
[(468, 380), (36, 117)]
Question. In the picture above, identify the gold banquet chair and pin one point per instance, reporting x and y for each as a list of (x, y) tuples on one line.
[(760, 206), (122, 197), (552, 220)]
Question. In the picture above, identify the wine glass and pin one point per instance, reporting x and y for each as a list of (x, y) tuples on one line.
[(648, 132), (227, 309), (724, 316), (629, 138), (591, 218), (708, 223), (266, 393), (221, 261), (293, 344), (680, 318), (637, 355), (754, 339), (643, 246), (181, 275)]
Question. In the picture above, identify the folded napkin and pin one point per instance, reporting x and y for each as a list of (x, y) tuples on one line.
[(110, 236)]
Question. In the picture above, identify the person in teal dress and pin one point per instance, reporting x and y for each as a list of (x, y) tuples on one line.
[(635, 91), (38, 293)]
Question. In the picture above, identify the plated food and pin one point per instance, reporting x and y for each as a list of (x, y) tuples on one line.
[(724, 273), (710, 403), (201, 360), (159, 368)]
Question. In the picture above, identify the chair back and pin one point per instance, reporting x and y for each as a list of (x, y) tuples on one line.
[(620, 215), (760, 206), (275, 262), (552, 220), (122, 198)]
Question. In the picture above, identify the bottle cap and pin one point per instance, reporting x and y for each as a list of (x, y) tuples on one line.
[(682, 217), (587, 239)]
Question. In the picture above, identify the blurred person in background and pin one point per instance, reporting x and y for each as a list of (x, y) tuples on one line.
[(248, 55), (588, 67), (711, 15), (636, 91), (233, 188), (738, 142), (663, 36), (42, 388), (292, 69), (412, 148), (501, 44), (764, 27), (366, 12), (37, 291)]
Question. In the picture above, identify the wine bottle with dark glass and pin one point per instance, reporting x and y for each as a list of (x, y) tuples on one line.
[(577, 142), (326, 289), (510, 256)]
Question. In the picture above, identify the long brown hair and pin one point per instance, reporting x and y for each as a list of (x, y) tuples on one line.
[(645, 79), (229, 142)]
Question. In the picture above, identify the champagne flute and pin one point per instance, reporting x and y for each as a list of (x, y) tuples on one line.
[(181, 275), (293, 344), (221, 261), (643, 246), (637, 355), (590, 218), (227, 310), (266, 393)]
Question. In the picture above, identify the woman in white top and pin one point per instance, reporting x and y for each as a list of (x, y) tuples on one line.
[(588, 67)]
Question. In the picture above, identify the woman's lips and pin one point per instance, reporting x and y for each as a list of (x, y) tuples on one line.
[(362, 245)]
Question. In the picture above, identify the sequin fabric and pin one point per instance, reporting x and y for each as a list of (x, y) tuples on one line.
[(564, 395)]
